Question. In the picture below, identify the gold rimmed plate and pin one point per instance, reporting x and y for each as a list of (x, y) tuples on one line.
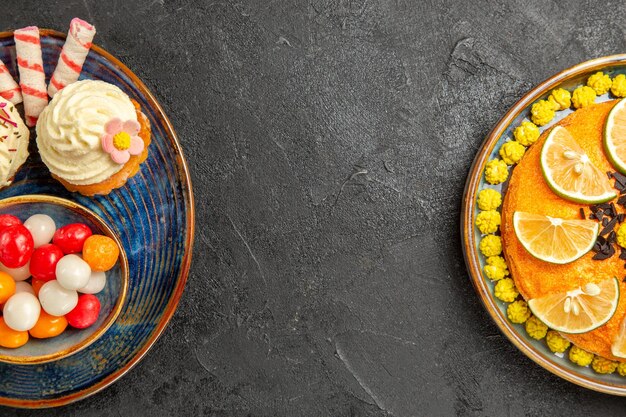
[(535, 350), (153, 218)]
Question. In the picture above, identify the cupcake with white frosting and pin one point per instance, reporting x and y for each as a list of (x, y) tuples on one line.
[(14, 136), (92, 137)]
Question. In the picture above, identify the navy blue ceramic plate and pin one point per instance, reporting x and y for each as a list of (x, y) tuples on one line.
[(154, 219)]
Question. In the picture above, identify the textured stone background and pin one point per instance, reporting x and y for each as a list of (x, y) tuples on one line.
[(329, 141)]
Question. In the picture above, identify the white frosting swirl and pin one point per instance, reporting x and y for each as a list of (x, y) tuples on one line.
[(70, 129), (13, 143)]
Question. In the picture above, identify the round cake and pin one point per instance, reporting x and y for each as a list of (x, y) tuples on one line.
[(528, 192)]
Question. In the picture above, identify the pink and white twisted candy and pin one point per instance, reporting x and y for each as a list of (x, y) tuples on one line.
[(32, 76), (9, 90), (72, 56)]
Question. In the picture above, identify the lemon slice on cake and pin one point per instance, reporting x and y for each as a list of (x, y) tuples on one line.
[(579, 310), (569, 172), (555, 240), (618, 347), (615, 136)]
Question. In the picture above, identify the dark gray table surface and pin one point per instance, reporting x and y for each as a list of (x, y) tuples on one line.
[(329, 141)]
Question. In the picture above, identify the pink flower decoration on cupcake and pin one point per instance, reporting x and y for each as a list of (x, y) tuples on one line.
[(121, 140)]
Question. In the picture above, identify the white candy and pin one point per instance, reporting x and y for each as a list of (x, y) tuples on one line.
[(96, 283), (18, 274), (22, 286), (56, 300), (21, 311), (72, 272), (42, 227)]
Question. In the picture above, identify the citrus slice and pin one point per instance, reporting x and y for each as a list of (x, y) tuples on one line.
[(569, 172), (579, 310), (618, 347), (552, 239), (615, 136)]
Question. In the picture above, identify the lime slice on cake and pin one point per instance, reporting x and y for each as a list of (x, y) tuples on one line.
[(569, 172), (555, 240), (579, 310), (618, 347), (615, 136)]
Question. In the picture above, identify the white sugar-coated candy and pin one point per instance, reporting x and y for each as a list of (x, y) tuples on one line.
[(18, 274), (72, 272), (96, 283), (21, 311), (42, 227), (22, 286), (56, 300)]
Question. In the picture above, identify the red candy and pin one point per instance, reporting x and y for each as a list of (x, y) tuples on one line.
[(16, 246), (7, 220), (37, 284), (44, 261), (71, 238), (85, 313)]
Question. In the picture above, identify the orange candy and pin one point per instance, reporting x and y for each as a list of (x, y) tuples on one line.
[(100, 252), (48, 326), (10, 338), (7, 287), (37, 284)]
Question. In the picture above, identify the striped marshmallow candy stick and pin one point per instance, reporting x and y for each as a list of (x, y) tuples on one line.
[(32, 76), (72, 56), (9, 90)]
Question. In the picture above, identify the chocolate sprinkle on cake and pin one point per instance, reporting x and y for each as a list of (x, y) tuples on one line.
[(607, 215), (620, 181), (608, 227)]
